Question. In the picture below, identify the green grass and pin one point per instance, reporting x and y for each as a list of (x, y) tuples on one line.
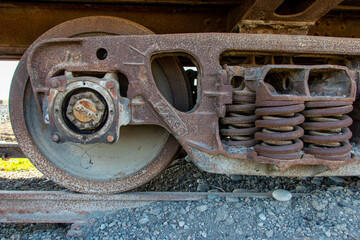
[(16, 164)]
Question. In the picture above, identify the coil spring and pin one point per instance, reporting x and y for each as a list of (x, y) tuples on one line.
[(327, 133), (280, 134), (240, 119)]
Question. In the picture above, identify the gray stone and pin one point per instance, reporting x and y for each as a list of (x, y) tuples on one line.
[(143, 221), (269, 233), (214, 190), (229, 221), (282, 195), (202, 208), (239, 190), (301, 189), (335, 188), (319, 204), (155, 211), (221, 214), (201, 181), (236, 178), (181, 223), (337, 180), (203, 233), (232, 199), (202, 188), (341, 227), (316, 181), (102, 227), (262, 216)]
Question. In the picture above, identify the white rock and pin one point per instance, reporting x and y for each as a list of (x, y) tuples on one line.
[(203, 234), (232, 199), (262, 216), (181, 223), (282, 195), (202, 208), (143, 220)]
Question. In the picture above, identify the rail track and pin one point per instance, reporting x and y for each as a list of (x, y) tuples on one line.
[(274, 94), (69, 207)]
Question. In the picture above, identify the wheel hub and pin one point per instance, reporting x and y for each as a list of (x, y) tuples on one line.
[(85, 110)]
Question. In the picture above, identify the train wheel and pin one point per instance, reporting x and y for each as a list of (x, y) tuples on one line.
[(140, 154)]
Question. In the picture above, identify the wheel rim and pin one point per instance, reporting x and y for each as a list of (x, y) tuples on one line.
[(141, 153)]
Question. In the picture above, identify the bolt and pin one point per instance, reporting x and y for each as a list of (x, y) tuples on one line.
[(54, 83), (55, 138), (110, 138), (110, 84)]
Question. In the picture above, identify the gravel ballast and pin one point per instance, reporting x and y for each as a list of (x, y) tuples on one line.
[(329, 208)]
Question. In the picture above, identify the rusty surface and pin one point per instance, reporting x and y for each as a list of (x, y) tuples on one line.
[(280, 141), (192, 129), (279, 92), (281, 17), (86, 109), (238, 126), (20, 92), (65, 207), (338, 23), (325, 139), (23, 22)]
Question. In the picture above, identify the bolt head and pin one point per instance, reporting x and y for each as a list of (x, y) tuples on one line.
[(55, 138), (54, 83), (110, 84), (110, 138)]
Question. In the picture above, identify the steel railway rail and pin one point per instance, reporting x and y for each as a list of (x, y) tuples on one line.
[(69, 207), (105, 94)]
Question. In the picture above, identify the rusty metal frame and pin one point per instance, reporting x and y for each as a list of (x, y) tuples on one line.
[(198, 128)]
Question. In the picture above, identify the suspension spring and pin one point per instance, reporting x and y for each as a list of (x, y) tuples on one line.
[(280, 134), (327, 133), (239, 123)]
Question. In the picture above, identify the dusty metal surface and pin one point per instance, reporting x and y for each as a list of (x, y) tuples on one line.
[(269, 167), (65, 207)]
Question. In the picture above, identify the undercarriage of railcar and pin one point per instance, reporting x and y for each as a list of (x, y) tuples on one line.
[(102, 104)]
